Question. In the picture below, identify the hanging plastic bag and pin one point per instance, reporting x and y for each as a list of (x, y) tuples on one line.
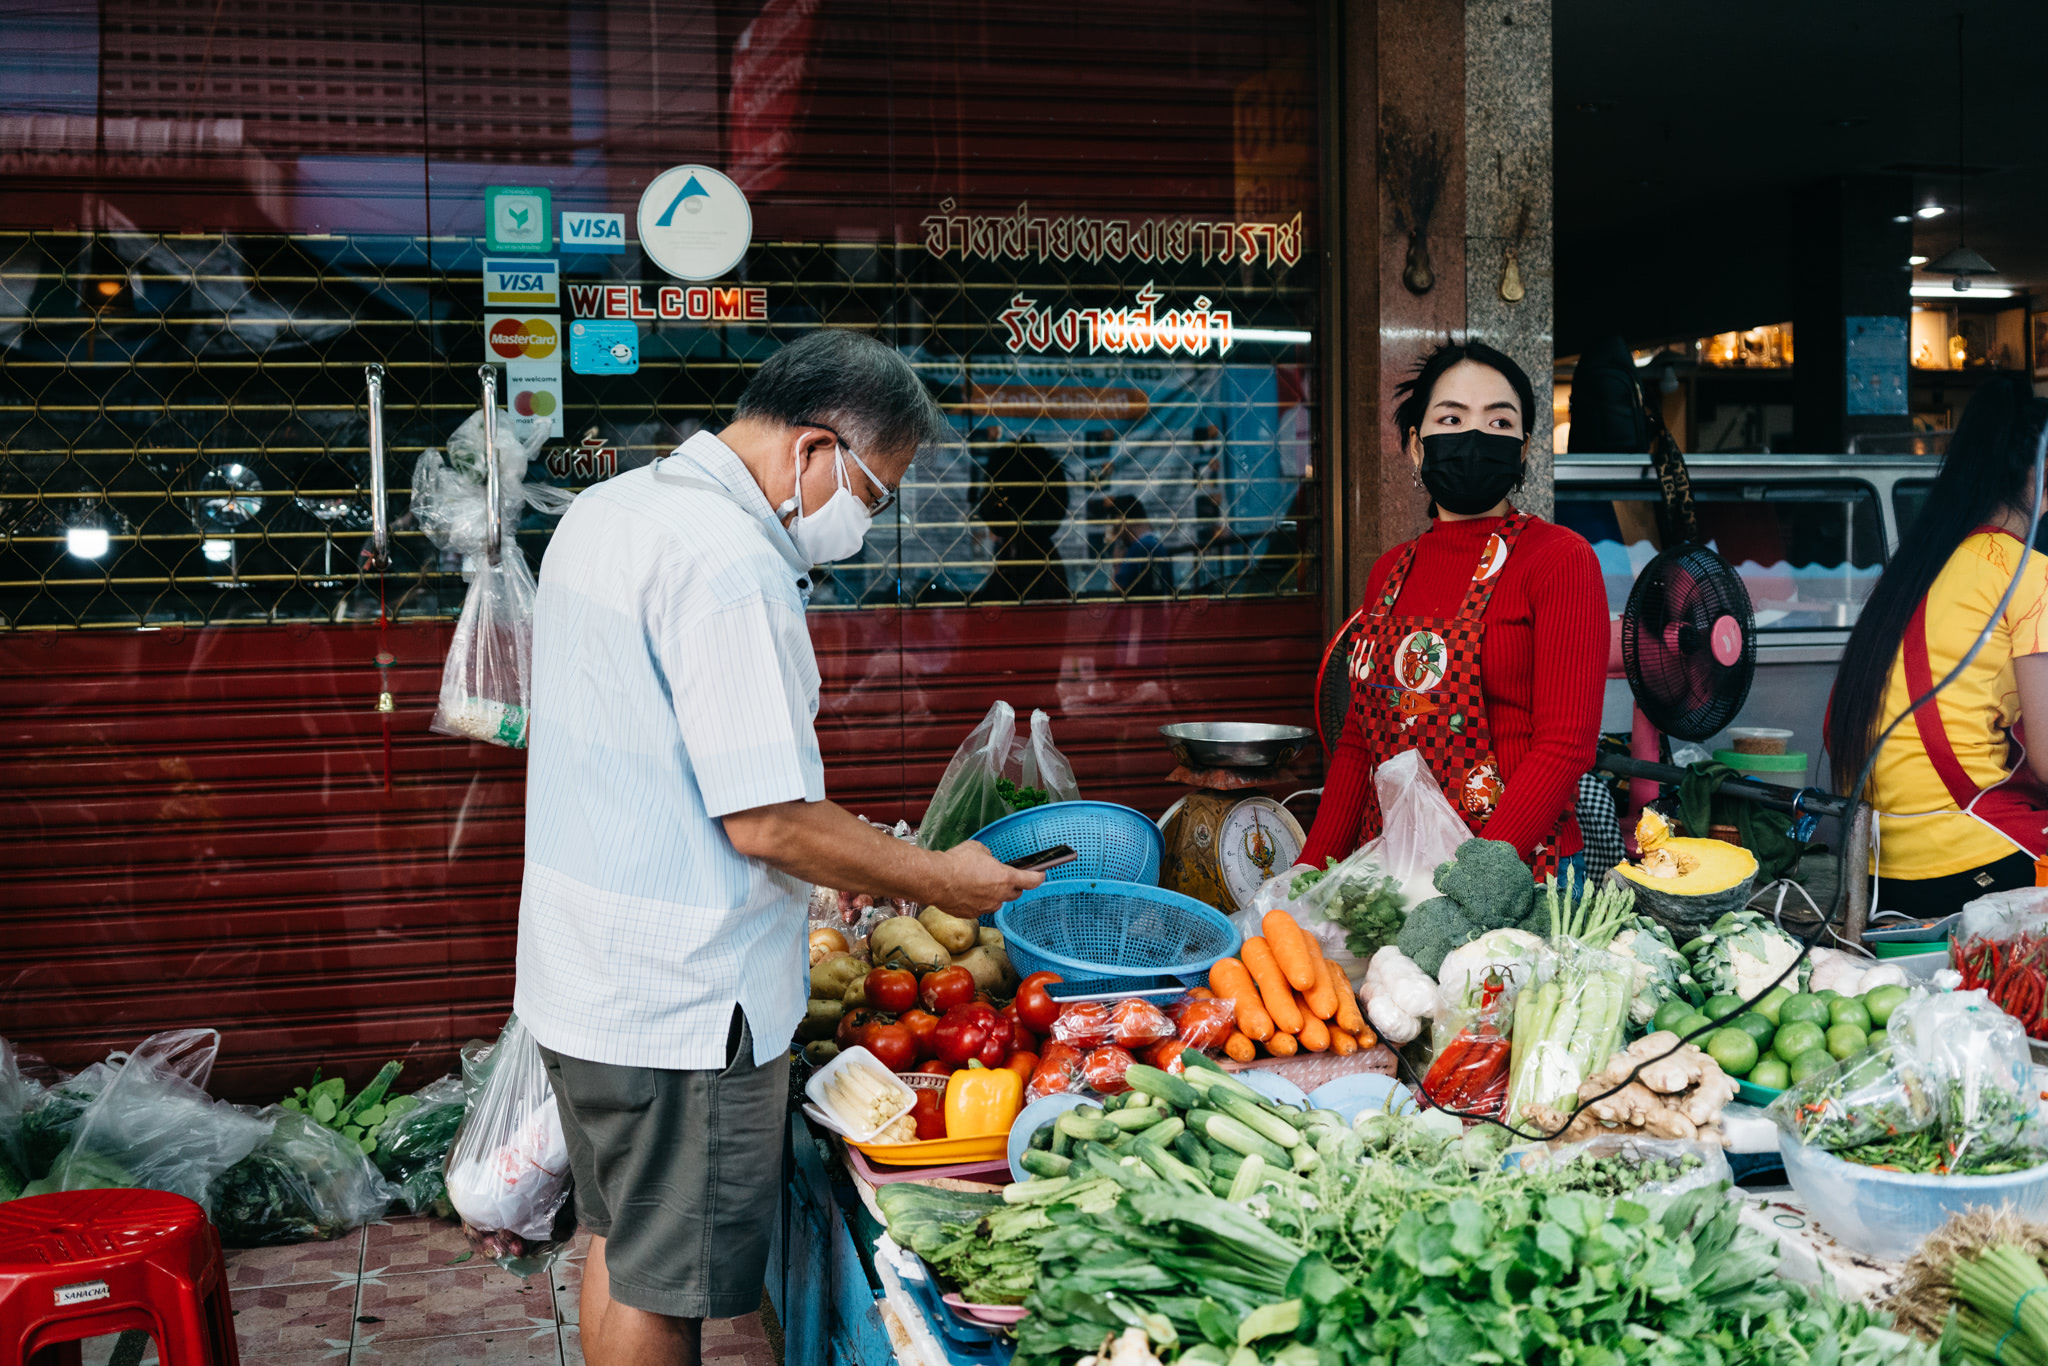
[(486, 686), (1042, 767), (1420, 832), (304, 1183), (412, 1145), (508, 1171), (966, 798), (153, 1125)]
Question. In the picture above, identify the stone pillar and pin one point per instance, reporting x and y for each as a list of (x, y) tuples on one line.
[(1508, 205)]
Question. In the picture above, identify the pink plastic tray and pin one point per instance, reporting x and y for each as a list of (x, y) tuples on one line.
[(996, 1171)]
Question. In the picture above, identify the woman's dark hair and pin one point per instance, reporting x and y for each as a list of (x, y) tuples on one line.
[(1414, 391), (1990, 458)]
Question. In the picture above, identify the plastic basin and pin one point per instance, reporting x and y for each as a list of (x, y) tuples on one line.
[(1888, 1215)]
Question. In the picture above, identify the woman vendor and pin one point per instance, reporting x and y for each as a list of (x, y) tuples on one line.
[(1484, 640), (1959, 796)]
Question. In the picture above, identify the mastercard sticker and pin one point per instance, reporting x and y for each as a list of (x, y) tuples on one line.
[(512, 337), (533, 391)]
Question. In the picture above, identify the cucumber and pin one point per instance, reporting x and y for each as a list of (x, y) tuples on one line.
[(1164, 1085), (1219, 1184), (1191, 1150), (1084, 1128), (1220, 1083), (1292, 1115), (1223, 1161), (1111, 1104), (1137, 1100), (1167, 1130), (1131, 1118), (1043, 1163), (1032, 1192), (1269, 1127), (1041, 1138), (1219, 1127), (1062, 1141), (1169, 1166), (1325, 1119), (1247, 1181)]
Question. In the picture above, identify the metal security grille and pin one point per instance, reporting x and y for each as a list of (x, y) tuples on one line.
[(183, 435)]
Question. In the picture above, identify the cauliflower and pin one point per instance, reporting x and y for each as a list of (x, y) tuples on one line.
[(1742, 954), (1397, 996), (1465, 969), (1661, 972)]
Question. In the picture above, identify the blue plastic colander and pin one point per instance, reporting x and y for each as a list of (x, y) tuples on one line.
[(1116, 936), (1116, 844)]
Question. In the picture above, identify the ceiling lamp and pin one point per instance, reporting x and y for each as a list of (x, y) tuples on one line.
[(1960, 261)]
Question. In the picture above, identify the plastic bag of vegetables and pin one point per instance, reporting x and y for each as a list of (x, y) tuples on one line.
[(413, 1143), (304, 1183), (994, 774), (508, 1170)]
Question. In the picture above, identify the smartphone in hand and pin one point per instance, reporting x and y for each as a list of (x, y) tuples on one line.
[(1044, 859)]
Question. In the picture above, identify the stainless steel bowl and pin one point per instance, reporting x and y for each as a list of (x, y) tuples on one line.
[(1234, 744)]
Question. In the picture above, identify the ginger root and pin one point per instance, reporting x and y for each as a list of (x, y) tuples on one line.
[(1680, 1096)]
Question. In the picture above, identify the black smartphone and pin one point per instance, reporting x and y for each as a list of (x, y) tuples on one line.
[(1045, 858)]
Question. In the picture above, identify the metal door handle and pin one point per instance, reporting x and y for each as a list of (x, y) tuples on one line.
[(494, 521), (380, 520)]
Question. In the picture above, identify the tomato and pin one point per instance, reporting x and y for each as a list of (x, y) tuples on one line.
[(1058, 1070), (935, 1068), (1020, 1034), (892, 989), (1165, 1056), (948, 987), (930, 1114), (1104, 1068), (892, 1044), (922, 1024), (1035, 1006), (851, 1024), (1135, 1023), (997, 1046), (964, 1031), (1022, 1063), (1084, 1024)]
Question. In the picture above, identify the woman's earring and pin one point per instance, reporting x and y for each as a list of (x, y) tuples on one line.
[(1415, 477)]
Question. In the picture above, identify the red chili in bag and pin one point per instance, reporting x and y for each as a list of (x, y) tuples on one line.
[(1104, 1070), (1471, 1075), (1204, 1024), (1135, 1023)]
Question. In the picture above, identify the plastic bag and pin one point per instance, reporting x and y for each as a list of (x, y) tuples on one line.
[(1205, 1025), (1868, 1097), (1058, 1072), (1671, 1166), (304, 1183), (508, 1170), (1135, 1023), (153, 1125), (1573, 983), (412, 1146), (1104, 1068), (50, 1116), (1975, 1059), (994, 774), (15, 1091), (1419, 831), (1043, 767), (2000, 945), (486, 686), (1471, 1071), (1084, 1024)]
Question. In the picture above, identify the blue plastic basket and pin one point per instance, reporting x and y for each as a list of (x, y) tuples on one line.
[(1116, 844), (1122, 936)]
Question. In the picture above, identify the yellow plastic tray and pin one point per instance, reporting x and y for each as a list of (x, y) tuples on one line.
[(938, 1152)]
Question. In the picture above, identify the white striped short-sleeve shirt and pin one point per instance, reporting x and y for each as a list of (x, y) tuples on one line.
[(673, 683)]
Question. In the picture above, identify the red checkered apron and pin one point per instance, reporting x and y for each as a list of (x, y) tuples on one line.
[(1415, 685)]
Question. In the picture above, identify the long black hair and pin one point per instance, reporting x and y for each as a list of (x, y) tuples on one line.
[(1414, 391), (1990, 459)]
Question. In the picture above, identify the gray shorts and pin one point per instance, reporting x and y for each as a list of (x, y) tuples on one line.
[(680, 1173)]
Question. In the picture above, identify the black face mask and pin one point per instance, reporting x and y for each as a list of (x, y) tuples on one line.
[(1470, 471)]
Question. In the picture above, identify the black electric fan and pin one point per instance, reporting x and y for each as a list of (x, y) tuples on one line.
[(1688, 642)]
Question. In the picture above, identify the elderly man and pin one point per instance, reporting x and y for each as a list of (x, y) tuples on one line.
[(676, 814)]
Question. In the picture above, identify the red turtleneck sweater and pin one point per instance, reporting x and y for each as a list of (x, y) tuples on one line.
[(1545, 722)]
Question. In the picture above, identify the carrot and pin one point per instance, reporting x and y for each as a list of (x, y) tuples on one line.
[(1368, 1037), (1290, 949), (1239, 1048), (1344, 1041), (1234, 984), (1315, 1035), (1322, 998), (1349, 1017), (1283, 1045), (1273, 988)]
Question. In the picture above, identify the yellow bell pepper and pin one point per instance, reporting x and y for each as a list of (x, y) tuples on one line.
[(982, 1100)]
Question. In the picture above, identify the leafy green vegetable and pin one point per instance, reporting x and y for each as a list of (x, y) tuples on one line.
[(1021, 798), (356, 1119), (1369, 909), (304, 1183)]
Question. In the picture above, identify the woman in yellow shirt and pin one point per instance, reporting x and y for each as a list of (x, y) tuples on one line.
[(1962, 810)]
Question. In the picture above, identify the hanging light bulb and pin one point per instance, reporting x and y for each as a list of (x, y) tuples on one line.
[(1959, 260)]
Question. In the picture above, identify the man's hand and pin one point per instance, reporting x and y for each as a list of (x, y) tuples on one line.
[(977, 883)]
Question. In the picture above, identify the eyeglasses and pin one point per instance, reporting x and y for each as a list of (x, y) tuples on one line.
[(888, 496)]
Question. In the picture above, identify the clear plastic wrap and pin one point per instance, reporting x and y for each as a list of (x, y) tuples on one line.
[(303, 1183), (966, 798), (1136, 1024), (1472, 1068), (1568, 1026), (508, 1171), (1975, 1057), (1660, 1166), (1204, 1024), (1103, 1070), (1084, 1024), (153, 1125), (14, 1097), (412, 1147), (1058, 1071), (2000, 946), (50, 1115)]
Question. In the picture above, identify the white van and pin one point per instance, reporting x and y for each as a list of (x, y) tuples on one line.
[(1809, 535)]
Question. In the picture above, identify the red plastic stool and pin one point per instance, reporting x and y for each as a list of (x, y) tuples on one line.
[(80, 1264)]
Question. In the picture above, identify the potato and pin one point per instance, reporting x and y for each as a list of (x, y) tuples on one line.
[(826, 941), (832, 975), (856, 993), (900, 941), (821, 1019), (954, 934), (988, 936), (818, 1052), (991, 969)]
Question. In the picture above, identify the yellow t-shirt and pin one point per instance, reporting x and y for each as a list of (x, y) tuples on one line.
[(1977, 710)]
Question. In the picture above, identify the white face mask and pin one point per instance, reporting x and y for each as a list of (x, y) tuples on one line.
[(835, 530)]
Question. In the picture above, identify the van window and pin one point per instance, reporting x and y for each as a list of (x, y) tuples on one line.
[(1808, 553), (1908, 497)]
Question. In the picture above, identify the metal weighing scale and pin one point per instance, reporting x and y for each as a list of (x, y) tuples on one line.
[(1225, 837)]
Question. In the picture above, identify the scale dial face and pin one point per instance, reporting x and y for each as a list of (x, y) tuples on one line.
[(1257, 839)]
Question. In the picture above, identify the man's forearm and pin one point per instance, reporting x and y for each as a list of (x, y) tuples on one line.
[(824, 843)]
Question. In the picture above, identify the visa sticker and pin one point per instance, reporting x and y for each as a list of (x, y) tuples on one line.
[(520, 283), (593, 231), (604, 348)]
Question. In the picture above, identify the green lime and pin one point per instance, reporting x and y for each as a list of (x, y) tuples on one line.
[(1771, 1074), (1803, 1009), (1846, 1039), (1691, 1025), (1849, 1011), (1671, 1012), (1773, 1001), (1828, 994), (1800, 1036), (1811, 1063), (1721, 1007), (1882, 1001), (1756, 1026), (1733, 1049)]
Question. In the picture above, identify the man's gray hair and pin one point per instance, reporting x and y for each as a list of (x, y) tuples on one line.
[(853, 384)]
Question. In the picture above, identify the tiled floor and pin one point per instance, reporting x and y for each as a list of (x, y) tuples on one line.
[(410, 1293)]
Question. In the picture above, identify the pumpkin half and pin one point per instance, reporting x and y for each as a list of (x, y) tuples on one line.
[(1687, 882)]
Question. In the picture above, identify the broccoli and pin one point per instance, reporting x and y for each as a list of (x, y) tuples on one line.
[(1485, 886)]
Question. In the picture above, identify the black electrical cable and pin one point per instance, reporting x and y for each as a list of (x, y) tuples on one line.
[(1806, 945)]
